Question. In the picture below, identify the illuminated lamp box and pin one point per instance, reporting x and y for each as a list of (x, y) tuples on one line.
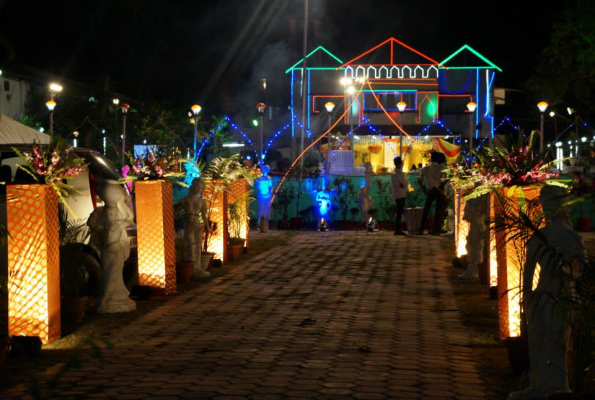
[(461, 226), (156, 234), (511, 241), (217, 204), (33, 262)]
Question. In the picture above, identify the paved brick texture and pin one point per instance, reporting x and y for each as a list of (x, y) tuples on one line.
[(335, 315)]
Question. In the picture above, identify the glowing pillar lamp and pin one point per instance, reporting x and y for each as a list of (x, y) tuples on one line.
[(155, 235)]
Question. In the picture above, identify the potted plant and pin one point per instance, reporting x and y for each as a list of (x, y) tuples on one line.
[(74, 268), (220, 176), (184, 267), (155, 218), (237, 214), (284, 197), (33, 218)]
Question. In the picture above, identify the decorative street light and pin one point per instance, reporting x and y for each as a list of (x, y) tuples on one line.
[(195, 111), (76, 135), (330, 106), (116, 102), (54, 88), (471, 106), (542, 105), (125, 107), (401, 105), (260, 107)]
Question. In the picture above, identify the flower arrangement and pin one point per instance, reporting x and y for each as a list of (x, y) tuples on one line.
[(375, 148), (501, 167), (151, 166), (53, 164)]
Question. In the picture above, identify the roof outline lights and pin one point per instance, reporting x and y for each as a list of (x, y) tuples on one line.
[(312, 52), (476, 53), (392, 41)]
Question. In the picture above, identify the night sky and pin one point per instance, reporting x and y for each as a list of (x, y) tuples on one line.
[(214, 51)]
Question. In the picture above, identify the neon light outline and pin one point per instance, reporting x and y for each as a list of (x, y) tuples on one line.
[(308, 56), (292, 115), (472, 50), (392, 40)]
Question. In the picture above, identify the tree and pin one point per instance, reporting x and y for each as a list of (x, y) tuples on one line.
[(565, 73)]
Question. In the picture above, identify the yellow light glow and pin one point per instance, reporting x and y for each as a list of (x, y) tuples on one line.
[(51, 104), (401, 105), (55, 87), (33, 262), (471, 106), (329, 106), (156, 235), (196, 109), (542, 105)]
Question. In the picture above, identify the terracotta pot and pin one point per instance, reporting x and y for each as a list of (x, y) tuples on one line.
[(4, 341), (207, 261), (518, 354), (583, 224), (234, 251), (73, 310), (184, 271)]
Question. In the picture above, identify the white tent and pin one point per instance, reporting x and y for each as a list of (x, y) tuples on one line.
[(13, 132)]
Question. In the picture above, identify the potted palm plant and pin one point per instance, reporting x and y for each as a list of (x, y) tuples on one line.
[(220, 176), (237, 214)]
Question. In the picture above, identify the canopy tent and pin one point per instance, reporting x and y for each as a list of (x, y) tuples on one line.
[(13, 132)]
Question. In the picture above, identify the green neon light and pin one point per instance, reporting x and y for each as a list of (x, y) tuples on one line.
[(469, 48), (312, 52)]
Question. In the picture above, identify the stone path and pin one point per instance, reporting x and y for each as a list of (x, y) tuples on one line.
[(336, 315)]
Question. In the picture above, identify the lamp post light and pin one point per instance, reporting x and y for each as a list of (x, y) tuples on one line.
[(401, 105), (76, 135), (125, 107), (260, 107), (330, 106), (51, 105), (542, 105), (116, 102), (54, 88), (471, 106), (195, 111)]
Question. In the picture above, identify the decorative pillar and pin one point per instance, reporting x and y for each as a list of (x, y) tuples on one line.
[(217, 243), (33, 262), (156, 234)]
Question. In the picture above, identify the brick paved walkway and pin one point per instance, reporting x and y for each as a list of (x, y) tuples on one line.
[(336, 315)]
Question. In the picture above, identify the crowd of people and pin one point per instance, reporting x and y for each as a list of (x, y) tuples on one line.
[(432, 181)]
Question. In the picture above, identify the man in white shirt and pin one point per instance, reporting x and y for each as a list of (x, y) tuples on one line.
[(399, 192), (433, 177)]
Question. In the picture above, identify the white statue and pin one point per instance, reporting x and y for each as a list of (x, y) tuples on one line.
[(108, 226), (560, 252), (195, 213), (366, 202), (474, 214), (264, 190)]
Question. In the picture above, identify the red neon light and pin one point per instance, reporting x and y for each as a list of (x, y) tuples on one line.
[(392, 45), (392, 41)]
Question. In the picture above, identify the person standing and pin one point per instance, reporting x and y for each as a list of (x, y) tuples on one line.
[(430, 181), (399, 192)]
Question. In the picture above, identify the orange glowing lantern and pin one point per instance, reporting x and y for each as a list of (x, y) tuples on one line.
[(511, 252), (33, 262), (156, 234), (461, 226), (491, 238), (217, 205)]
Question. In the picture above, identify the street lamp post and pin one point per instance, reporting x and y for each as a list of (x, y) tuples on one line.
[(330, 106), (125, 107), (401, 105), (471, 107), (542, 105), (116, 102), (76, 135), (54, 88), (195, 111), (260, 107)]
